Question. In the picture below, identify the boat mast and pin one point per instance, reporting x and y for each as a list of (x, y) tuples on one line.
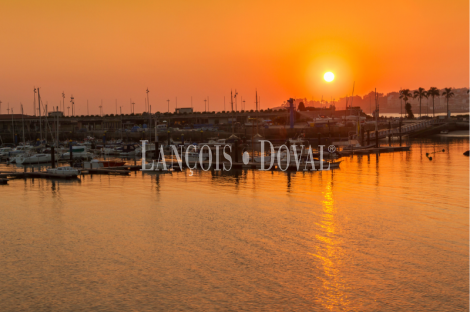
[(34, 101), (231, 104), (257, 112), (22, 120), (376, 111), (40, 122), (12, 125), (57, 126)]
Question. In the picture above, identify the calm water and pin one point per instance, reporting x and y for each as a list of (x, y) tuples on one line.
[(383, 233)]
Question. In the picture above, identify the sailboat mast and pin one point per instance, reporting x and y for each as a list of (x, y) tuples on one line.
[(40, 122), (231, 104), (257, 112), (22, 120)]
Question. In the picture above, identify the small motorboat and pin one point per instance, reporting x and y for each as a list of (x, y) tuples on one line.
[(131, 150), (77, 152), (33, 159), (193, 157), (66, 171), (4, 151)]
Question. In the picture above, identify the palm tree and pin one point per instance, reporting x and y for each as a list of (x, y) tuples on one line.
[(405, 94), (420, 93), (432, 92), (447, 93)]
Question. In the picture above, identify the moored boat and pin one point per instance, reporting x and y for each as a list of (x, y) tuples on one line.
[(66, 171), (33, 159)]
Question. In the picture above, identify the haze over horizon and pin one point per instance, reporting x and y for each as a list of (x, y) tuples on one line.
[(108, 50)]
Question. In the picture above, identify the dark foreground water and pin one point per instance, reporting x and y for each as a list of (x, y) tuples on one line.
[(383, 233)]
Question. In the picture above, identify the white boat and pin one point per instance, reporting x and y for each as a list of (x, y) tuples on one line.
[(321, 121), (21, 150), (131, 150), (66, 171), (193, 157), (33, 159), (216, 141), (77, 152), (4, 151), (17, 151), (299, 140)]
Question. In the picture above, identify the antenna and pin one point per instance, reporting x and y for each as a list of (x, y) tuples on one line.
[(235, 96), (205, 106), (34, 101), (0, 107), (72, 101), (168, 105), (101, 112), (68, 110), (148, 103), (63, 100)]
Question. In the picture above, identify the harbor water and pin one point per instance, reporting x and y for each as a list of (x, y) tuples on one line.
[(384, 232)]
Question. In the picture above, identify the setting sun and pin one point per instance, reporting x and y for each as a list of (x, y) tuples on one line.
[(329, 76)]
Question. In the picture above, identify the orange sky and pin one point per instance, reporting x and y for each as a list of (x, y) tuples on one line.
[(116, 49)]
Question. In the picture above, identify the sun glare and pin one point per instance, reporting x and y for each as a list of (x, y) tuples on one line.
[(329, 76)]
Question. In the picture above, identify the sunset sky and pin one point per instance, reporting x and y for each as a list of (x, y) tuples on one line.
[(108, 50)]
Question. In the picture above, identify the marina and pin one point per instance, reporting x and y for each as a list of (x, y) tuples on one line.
[(234, 156), (269, 227)]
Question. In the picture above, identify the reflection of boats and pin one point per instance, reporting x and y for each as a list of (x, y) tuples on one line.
[(66, 171), (158, 166)]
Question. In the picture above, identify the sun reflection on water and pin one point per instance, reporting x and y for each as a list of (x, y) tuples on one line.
[(330, 253)]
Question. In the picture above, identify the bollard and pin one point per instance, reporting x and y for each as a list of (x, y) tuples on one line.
[(368, 137)]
